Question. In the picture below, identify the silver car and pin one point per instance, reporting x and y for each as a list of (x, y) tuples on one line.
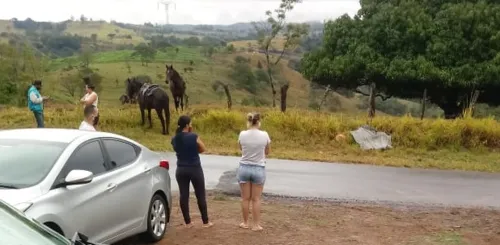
[(16, 228), (103, 185)]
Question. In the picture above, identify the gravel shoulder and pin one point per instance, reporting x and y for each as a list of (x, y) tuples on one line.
[(294, 221)]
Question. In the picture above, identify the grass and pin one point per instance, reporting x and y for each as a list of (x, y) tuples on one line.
[(102, 29), (466, 144), (185, 55), (276, 43)]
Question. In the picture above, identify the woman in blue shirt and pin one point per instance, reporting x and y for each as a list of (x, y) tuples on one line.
[(188, 146)]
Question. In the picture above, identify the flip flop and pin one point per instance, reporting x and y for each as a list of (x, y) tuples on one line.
[(210, 224), (258, 228), (243, 226)]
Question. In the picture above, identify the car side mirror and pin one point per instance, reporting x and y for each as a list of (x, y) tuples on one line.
[(78, 177)]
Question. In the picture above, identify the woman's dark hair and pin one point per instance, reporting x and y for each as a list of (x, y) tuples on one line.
[(253, 118), (91, 86), (181, 124)]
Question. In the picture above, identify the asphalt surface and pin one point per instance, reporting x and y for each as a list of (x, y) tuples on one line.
[(354, 182)]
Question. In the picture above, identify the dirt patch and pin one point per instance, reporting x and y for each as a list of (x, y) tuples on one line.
[(308, 222)]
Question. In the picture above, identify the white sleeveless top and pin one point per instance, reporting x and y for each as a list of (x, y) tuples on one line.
[(96, 99)]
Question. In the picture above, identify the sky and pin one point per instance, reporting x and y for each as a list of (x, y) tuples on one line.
[(185, 12)]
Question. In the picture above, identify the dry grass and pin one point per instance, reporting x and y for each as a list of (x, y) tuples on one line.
[(467, 144)]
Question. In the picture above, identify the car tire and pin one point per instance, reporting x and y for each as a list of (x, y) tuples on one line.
[(158, 218)]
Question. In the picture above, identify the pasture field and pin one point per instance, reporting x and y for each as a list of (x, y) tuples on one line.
[(465, 144), (114, 67)]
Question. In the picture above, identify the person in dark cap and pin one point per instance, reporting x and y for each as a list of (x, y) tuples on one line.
[(35, 102)]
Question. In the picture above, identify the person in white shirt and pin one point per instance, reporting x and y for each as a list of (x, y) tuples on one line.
[(88, 123), (91, 98), (255, 146)]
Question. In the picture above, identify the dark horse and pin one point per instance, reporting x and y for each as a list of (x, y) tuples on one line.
[(150, 96), (177, 86)]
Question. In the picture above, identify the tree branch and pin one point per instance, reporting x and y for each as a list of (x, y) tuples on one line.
[(382, 96)]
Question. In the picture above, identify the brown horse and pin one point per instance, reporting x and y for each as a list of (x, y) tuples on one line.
[(150, 96), (177, 86)]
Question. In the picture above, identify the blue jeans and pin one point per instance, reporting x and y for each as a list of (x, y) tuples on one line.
[(254, 174), (39, 118)]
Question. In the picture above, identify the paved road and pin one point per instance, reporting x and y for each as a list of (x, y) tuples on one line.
[(358, 182)]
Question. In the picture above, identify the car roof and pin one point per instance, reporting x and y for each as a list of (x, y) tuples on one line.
[(51, 134)]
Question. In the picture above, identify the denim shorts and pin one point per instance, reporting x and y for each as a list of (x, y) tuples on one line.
[(254, 174)]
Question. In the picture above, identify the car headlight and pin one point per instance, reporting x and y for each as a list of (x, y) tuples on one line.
[(23, 206)]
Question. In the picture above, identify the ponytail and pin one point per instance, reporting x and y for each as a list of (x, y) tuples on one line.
[(181, 124)]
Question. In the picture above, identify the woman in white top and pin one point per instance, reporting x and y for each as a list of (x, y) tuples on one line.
[(91, 98), (255, 146)]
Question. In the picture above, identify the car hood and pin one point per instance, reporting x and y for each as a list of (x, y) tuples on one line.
[(17, 196)]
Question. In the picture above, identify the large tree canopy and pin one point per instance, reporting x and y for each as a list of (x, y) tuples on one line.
[(449, 47)]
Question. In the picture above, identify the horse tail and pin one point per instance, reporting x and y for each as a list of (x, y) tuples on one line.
[(166, 109)]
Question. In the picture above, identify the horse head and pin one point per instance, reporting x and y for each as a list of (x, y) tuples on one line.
[(133, 87), (171, 74)]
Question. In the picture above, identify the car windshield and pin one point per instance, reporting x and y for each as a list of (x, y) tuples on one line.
[(24, 163), (17, 229)]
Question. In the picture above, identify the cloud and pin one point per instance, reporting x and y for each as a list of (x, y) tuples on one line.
[(185, 12)]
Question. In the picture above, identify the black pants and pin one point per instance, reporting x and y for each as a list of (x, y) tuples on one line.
[(185, 176), (96, 119)]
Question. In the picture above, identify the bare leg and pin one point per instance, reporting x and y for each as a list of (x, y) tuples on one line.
[(256, 197), (246, 193)]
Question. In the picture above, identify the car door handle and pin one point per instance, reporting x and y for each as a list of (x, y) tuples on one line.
[(111, 187), (147, 169)]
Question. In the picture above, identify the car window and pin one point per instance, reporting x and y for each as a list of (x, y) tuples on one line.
[(120, 153), (24, 163), (88, 157), (17, 229)]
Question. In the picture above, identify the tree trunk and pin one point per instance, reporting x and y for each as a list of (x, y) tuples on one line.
[(228, 95), (273, 89), (424, 99), (323, 100), (371, 100), (284, 91)]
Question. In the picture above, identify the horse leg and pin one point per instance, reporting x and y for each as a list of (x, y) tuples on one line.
[(162, 120), (167, 116), (149, 118), (176, 101), (181, 99), (142, 113)]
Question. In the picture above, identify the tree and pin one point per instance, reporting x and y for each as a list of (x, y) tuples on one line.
[(71, 83), (218, 84), (402, 48), (277, 26), (230, 48), (93, 37), (243, 76), (146, 53), (111, 36), (208, 51), (20, 65), (86, 57)]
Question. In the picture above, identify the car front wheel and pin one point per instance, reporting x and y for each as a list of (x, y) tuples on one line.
[(157, 219)]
